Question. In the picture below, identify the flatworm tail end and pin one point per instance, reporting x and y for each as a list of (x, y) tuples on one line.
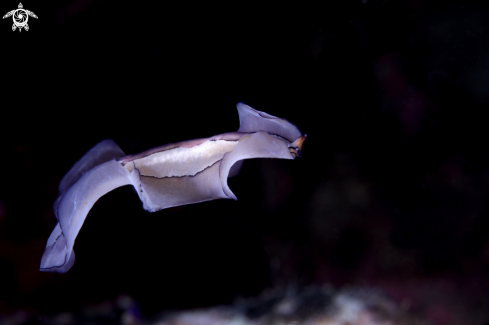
[(56, 252), (89, 180)]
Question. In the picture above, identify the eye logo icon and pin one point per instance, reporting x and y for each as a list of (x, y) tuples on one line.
[(20, 17)]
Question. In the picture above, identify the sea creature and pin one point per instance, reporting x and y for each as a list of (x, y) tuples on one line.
[(20, 17), (170, 175)]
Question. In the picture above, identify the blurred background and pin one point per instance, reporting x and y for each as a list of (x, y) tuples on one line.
[(391, 192)]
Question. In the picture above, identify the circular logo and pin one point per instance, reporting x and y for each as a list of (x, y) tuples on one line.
[(20, 17)]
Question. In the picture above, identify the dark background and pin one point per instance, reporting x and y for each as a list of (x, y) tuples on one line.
[(391, 192)]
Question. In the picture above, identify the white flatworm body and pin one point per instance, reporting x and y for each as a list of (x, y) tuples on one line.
[(171, 175), (180, 161)]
